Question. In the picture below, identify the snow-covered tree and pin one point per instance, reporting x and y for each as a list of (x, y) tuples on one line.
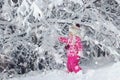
[(29, 31)]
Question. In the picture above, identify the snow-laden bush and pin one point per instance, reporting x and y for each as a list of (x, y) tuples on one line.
[(29, 31)]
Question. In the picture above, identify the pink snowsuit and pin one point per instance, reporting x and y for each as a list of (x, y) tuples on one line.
[(72, 52)]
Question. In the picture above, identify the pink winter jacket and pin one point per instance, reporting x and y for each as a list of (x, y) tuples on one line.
[(74, 47)]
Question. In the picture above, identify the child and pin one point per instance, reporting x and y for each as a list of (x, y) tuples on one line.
[(74, 46)]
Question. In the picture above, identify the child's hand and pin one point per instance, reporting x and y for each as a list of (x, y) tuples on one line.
[(63, 39)]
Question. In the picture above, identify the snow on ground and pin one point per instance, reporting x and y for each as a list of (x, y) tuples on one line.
[(53, 75), (106, 73)]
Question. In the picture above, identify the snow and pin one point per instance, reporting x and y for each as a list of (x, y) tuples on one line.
[(78, 1), (56, 2), (36, 10), (36, 26), (118, 1), (105, 73), (53, 75), (108, 73)]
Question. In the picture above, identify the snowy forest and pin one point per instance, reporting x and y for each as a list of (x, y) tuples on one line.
[(29, 32)]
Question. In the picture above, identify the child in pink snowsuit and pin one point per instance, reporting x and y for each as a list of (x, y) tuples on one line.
[(74, 45)]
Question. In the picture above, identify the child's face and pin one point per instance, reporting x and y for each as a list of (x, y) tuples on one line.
[(73, 30), (70, 33)]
